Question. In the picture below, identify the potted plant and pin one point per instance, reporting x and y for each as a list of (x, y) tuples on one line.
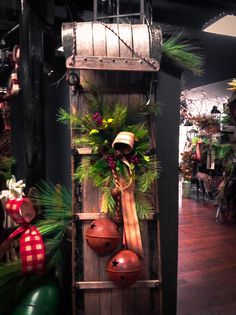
[(186, 168)]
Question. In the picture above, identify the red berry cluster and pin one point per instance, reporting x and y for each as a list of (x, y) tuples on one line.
[(98, 119), (134, 159), (111, 162)]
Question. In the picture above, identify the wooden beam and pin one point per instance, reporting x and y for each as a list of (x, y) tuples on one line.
[(94, 285), (83, 216), (112, 63)]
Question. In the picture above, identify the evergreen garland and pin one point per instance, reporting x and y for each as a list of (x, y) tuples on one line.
[(98, 128), (183, 53)]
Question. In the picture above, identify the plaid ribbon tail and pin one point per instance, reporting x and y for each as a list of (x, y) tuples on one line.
[(32, 251)]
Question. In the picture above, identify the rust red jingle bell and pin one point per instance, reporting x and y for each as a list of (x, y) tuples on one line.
[(124, 268), (103, 236)]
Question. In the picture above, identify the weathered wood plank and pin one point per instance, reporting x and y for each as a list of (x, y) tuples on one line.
[(84, 44), (117, 302), (95, 215), (126, 35), (142, 295), (94, 285), (99, 40), (129, 301), (112, 63), (113, 42), (141, 46), (91, 260)]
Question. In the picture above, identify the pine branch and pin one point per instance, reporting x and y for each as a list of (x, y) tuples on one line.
[(100, 173), (56, 201), (148, 177), (108, 201), (82, 171), (119, 117), (140, 131), (66, 118), (94, 99), (143, 207), (182, 52)]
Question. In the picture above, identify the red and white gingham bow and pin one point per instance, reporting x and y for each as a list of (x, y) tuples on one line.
[(22, 212)]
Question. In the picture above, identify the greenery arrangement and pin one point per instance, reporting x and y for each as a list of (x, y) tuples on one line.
[(187, 165), (206, 121), (97, 129), (55, 205), (183, 53)]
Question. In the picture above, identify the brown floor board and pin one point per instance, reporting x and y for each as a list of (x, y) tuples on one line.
[(207, 262)]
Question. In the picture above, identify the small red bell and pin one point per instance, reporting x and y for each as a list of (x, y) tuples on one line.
[(124, 268), (103, 236)]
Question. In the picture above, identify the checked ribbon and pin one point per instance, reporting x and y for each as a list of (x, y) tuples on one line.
[(22, 212)]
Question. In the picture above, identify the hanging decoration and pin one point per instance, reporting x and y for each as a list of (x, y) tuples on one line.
[(121, 163), (123, 144), (103, 236), (124, 268), (22, 212)]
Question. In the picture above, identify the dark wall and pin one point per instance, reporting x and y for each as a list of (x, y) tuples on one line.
[(218, 53), (56, 139), (57, 136), (168, 93)]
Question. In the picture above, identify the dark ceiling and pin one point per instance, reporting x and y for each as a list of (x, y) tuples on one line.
[(173, 15)]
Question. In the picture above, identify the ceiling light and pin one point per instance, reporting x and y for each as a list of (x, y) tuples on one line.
[(223, 25)]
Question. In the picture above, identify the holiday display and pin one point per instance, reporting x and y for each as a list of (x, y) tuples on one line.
[(54, 203), (121, 164), (43, 300), (103, 236), (124, 268), (22, 212)]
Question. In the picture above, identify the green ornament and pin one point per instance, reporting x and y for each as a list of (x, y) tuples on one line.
[(43, 300)]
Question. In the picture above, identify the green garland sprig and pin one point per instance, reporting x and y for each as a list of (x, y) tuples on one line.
[(98, 128), (182, 52)]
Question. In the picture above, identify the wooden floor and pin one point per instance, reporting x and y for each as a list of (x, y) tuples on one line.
[(207, 262)]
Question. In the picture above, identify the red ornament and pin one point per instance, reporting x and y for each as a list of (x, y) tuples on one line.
[(124, 268), (103, 236)]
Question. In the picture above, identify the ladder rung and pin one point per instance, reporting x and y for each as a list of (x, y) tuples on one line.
[(95, 215), (85, 285)]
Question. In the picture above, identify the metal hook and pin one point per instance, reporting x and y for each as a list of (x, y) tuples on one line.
[(150, 91)]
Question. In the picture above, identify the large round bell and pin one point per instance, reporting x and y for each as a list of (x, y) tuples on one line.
[(103, 236), (124, 268)]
